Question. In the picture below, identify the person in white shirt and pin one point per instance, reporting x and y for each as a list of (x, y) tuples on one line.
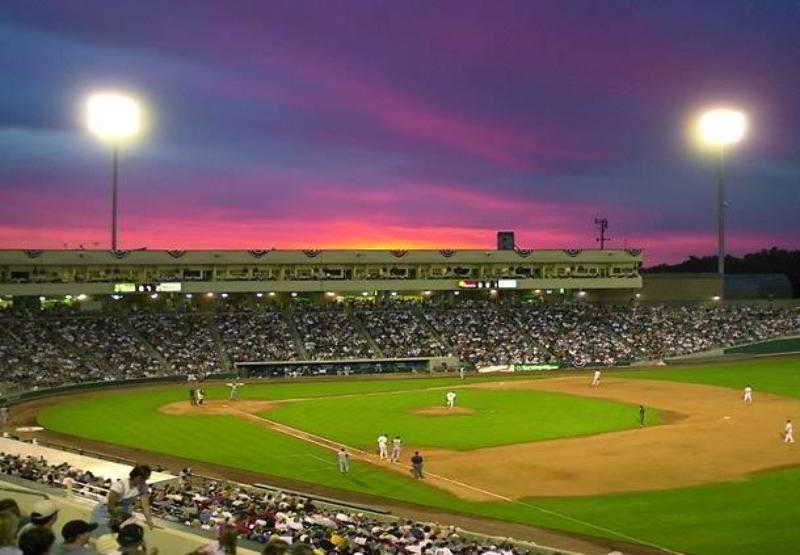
[(748, 395), (596, 378), (383, 449), (122, 497), (788, 432), (451, 399)]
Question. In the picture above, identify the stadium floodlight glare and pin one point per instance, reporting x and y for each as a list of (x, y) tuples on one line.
[(720, 128), (115, 118), (723, 126)]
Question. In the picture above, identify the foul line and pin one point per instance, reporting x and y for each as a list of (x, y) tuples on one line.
[(368, 457)]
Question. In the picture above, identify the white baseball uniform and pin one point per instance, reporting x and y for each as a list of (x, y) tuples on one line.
[(788, 433), (596, 377), (383, 450), (748, 395), (396, 444), (451, 399), (234, 390)]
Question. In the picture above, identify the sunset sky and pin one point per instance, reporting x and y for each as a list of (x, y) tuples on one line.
[(402, 124)]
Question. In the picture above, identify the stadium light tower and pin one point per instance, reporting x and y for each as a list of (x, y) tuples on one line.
[(115, 118), (720, 128)]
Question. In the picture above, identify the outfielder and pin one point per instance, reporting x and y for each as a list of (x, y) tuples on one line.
[(748, 395), (788, 432), (383, 447), (596, 378), (396, 444), (451, 399)]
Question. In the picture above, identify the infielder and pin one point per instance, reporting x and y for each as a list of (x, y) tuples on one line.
[(396, 444), (234, 395), (748, 395), (343, 459), (383, 446), (451, 399), (788, 432), (461, 372), (596, 378)]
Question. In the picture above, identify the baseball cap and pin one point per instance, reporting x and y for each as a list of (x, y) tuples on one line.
[(42, 510), (75, 528), (129, 535)]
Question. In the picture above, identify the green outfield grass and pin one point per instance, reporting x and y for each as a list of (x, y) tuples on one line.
[(758, 515)]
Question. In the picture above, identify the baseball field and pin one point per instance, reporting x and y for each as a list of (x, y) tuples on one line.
[(705, 474)]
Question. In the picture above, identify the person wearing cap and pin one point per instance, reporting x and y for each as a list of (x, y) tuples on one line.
[(36, 540), (131, 540), (122, 496), (76, 534), (43, 515)]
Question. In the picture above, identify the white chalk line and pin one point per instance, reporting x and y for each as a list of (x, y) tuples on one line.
[(327, 444)]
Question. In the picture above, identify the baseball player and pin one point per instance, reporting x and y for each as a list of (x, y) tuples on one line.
[(234, 394), (397, 443), (788, 432), (462, 372), (596, 378), (748, 395), (383, 446), (642, 413), (343, 459), (451, 399)]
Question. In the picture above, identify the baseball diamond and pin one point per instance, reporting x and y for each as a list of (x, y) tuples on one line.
[(589, 467)]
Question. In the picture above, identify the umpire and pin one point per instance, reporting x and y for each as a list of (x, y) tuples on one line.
[(416, 465)]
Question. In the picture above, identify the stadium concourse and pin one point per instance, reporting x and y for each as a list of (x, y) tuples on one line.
[(60, 346)]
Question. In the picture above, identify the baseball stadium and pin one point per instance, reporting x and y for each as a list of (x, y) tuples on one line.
[(369, 277), (592, 408)]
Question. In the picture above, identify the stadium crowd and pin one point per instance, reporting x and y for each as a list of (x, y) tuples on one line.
[(280, 522), (331, 332), (38, 349)]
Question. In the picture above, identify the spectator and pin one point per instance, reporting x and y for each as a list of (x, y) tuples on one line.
[(37, 540), (9, 523), (77, 535), (131, 540), (122, 496), (225, 544)]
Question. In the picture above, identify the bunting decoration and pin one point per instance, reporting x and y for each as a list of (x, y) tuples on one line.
[(312, 253), (573, 252), (447, 253), (33, 253), (399, 253), (176, 253)]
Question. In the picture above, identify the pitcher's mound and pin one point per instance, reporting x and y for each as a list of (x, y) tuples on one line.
[(217, 406), (443, 411)]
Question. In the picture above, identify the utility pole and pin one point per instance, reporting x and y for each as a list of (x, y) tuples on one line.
[(602, 223)]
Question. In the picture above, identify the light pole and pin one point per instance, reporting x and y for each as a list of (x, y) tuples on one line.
[(719, 128), (114, 118)]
